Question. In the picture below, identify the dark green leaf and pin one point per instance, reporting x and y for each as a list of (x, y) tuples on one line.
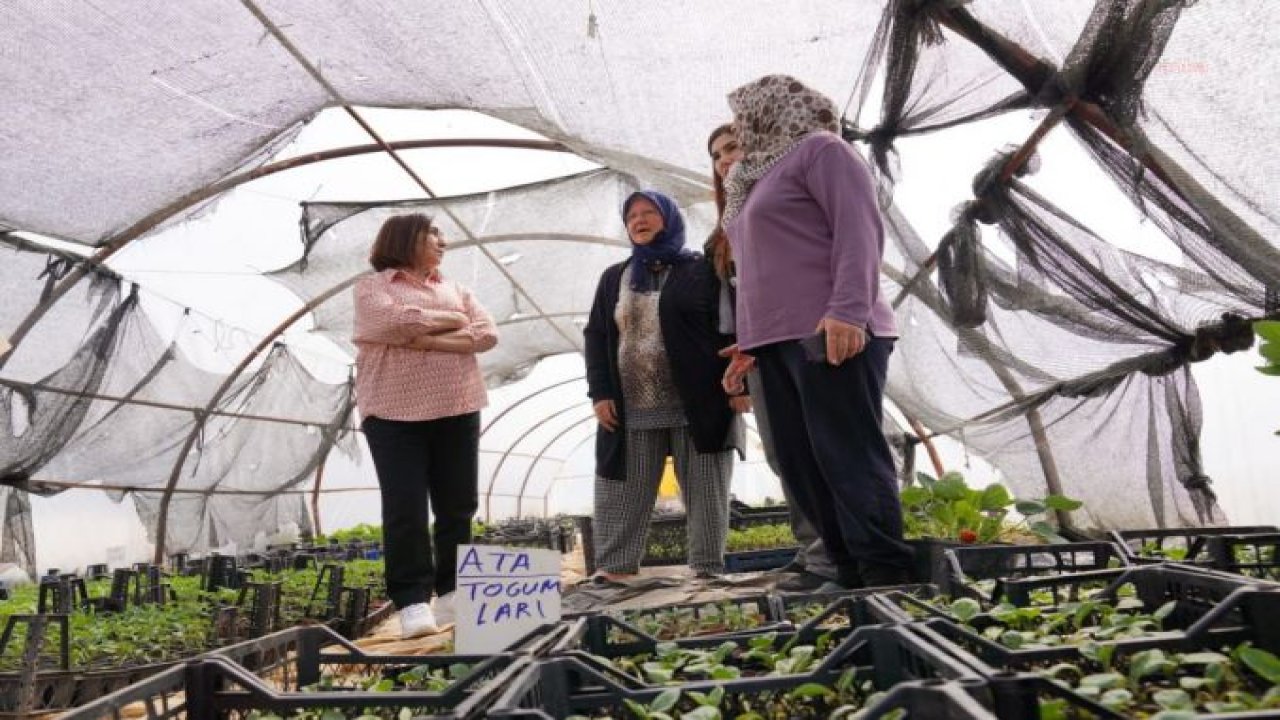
[(951, 487), (666, 700), (1268, 330), (1046, 531), (1262, 662), (995, 497), (809, 690), (1029, 507), (965, 609), (1172, 699), (1062, 502)]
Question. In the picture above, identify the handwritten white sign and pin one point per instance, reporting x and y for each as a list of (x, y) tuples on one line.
[(503, 594)]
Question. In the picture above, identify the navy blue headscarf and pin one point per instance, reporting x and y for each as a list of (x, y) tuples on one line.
[(667, 247)]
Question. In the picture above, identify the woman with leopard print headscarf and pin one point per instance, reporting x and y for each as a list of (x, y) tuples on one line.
[(807, 238)]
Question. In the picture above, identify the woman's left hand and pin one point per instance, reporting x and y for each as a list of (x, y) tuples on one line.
[(844, 340), (740, 403)]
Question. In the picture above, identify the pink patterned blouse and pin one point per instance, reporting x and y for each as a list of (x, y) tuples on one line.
[(393, 307)]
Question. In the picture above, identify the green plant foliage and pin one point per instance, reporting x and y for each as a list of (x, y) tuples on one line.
[(1167, 685), (947, 508), (843, 699), (152, 633), (673, 623), (1268, 332), (761, 537)]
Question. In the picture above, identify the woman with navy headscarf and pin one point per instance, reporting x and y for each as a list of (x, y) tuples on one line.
[(653, 374)]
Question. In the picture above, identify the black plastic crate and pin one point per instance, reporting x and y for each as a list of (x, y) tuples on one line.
[(667, 544), (1020, 690), (1186, 545), (816, 612), (999, 565), (929, 562), (50, 691), (541, 540), (885, 656), (281, 673), (719, 617), (609, 635), (540, 693), (214, 687), (780, 510), (757, 560), (1255, 555), (1208, 610)]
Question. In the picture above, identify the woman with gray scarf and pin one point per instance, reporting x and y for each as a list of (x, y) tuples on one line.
[(807, 238)]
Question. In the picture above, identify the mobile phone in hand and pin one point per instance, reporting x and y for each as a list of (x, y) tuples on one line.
[(815, 347)]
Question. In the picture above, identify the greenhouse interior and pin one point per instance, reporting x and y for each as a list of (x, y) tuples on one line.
[(1079, 254)]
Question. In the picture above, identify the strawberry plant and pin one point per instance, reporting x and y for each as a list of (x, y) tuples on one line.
[(947, 508)]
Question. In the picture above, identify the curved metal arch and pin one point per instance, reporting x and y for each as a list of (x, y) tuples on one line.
[(567, 456), (526, 399), (162, 515), (166, 500), (524, 482), (118, 241), (503, 460)]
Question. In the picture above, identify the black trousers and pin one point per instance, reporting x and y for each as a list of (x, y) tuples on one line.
[(435, 460), (826, 425)]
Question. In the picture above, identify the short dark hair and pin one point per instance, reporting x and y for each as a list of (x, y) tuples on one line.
[(397, 243)]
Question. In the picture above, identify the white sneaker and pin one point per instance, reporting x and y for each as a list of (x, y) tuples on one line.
[(417, 620), (443, 608)]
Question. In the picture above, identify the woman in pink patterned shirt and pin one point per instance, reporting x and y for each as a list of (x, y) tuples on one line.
[(419, 391)]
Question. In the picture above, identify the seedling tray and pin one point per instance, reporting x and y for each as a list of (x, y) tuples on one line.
[(541, 693), (1192, 543), (1005, 563), (1019, 691), (667, 544), (610, 637), (756, 560), (1209, 611), (817, 612), (279, 673), (887, 656)]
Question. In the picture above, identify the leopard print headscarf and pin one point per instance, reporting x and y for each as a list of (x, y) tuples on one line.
[(772, 114)]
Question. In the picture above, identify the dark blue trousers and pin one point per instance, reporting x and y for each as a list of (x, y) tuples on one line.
[(434, 460), (826, 425)]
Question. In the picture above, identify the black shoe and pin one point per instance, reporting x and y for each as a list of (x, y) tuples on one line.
[(877, 575), (849, 577), (801, 582)]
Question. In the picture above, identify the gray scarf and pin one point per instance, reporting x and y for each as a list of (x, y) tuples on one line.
[(772, 115)]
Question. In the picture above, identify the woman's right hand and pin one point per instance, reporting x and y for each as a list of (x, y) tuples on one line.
[(606, 414)]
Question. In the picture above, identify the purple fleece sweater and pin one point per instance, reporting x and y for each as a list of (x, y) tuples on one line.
[(808, 244)]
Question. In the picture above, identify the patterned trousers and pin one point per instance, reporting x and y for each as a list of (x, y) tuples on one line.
[(622, 508)]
